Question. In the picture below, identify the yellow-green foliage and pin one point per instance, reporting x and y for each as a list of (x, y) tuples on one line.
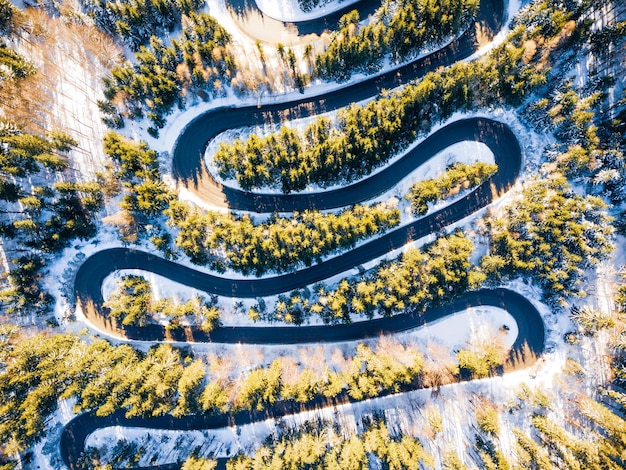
[(226, 241), (487, 418), (133, 305), (457, 177), (314, 446), (197, 463), (552, 234)]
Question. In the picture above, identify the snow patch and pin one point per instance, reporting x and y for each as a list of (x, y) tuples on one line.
[(290, 11)]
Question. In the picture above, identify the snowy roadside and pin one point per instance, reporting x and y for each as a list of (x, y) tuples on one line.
[(289, 10)]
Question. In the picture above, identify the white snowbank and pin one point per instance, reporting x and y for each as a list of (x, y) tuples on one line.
[(476, 322), (289, 10)]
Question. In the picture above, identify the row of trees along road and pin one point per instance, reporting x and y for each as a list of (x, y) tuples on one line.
[(132, 304), (319, 445), (199, 62), (42, 369), (224, 241), (413, 281), (458, 176), (400, 29)]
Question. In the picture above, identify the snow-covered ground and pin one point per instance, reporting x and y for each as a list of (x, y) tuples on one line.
[(71, 70), (289, 10)]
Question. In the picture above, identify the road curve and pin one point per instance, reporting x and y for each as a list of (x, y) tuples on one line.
[(188, 167), (496, 135), (528, 346)]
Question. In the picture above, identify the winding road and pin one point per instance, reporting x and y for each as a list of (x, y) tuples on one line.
[(496, 135), (189, 170), (188, 166), (528, 345)]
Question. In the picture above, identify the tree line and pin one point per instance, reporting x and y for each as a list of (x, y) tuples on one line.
[(414, 281), (593, 438), (199, 62), (153, 86), (319, 445), (42, 369), (225, 241), (457, 176), (401, 29)]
